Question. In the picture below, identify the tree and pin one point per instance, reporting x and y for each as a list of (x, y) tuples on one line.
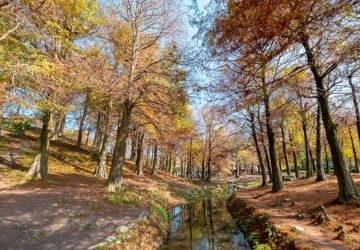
[(44, 45), (320, 174), (217, 137), (245, 26), (139, 154), (258, 150), (149, 23)]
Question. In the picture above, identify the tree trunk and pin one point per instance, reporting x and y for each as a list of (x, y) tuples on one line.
[(164, 165), (1, 114), (148, 149), (134, 141), (139, 154), (285, 151), (82, 122), (62, 125), (173, 170), (307, 152), (208, 178), (347, 189), (39, 168), (306, 139), (278, 184), (97, 136), (262, 139), (327, 160), (87, 136), (100, 170), (203, 163), (258, 151), (59, 124), (168, 167), (356, 107), (312, 160), (354, 151), (153, 171), (114, 181), (294, 157), (320, 174), (189, 170)]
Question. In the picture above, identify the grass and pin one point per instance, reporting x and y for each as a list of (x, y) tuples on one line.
[(26, 157), (132, 201), (205, 192), (37, 235), (160, 210), (92, 225), (93, 206), (19, 227), (249, 183), (127, 196)]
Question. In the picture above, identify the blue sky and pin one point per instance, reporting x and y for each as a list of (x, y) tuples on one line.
[(201, 4)]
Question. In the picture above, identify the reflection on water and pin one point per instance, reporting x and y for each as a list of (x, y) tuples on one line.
[(203, 225)]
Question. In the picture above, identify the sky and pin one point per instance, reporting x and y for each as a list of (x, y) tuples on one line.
[(201, 4)]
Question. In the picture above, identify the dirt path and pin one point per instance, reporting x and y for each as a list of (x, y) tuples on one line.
[(303, 197), (70, 217), (67, 210)]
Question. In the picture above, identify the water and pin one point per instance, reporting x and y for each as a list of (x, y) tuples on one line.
[(203, 225)]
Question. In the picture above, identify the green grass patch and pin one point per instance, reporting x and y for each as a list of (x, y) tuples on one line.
[(19, 226), (160, 210), (249, 183), (205, 192), (26, 157), (93, 206), (127, 197), (37, 235)]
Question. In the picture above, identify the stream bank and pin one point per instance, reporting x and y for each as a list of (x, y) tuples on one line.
[(257, 227)]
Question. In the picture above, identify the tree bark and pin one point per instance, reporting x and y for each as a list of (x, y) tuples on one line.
[(153, 171), (148, 149), (98, 132), (100, 170), (134, 141), (190, 163), (327, 160), (39, 168), (82, 122), (267, 157), (203, 164), (306, 140), (114, 181), (307, 153), (173, 170), (258, 151), (320, 174), (347, 189), (168, 167), (208, 178), (285, 151), (59, 124), (62, 125), (354, 151), (277, 181), (139, 154), (356, 107), (294, 157), (1, 114)]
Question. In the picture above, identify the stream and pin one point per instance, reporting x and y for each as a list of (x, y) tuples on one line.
[(203, 225)]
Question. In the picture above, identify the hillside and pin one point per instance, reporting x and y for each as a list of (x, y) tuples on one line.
[(72, 208)]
